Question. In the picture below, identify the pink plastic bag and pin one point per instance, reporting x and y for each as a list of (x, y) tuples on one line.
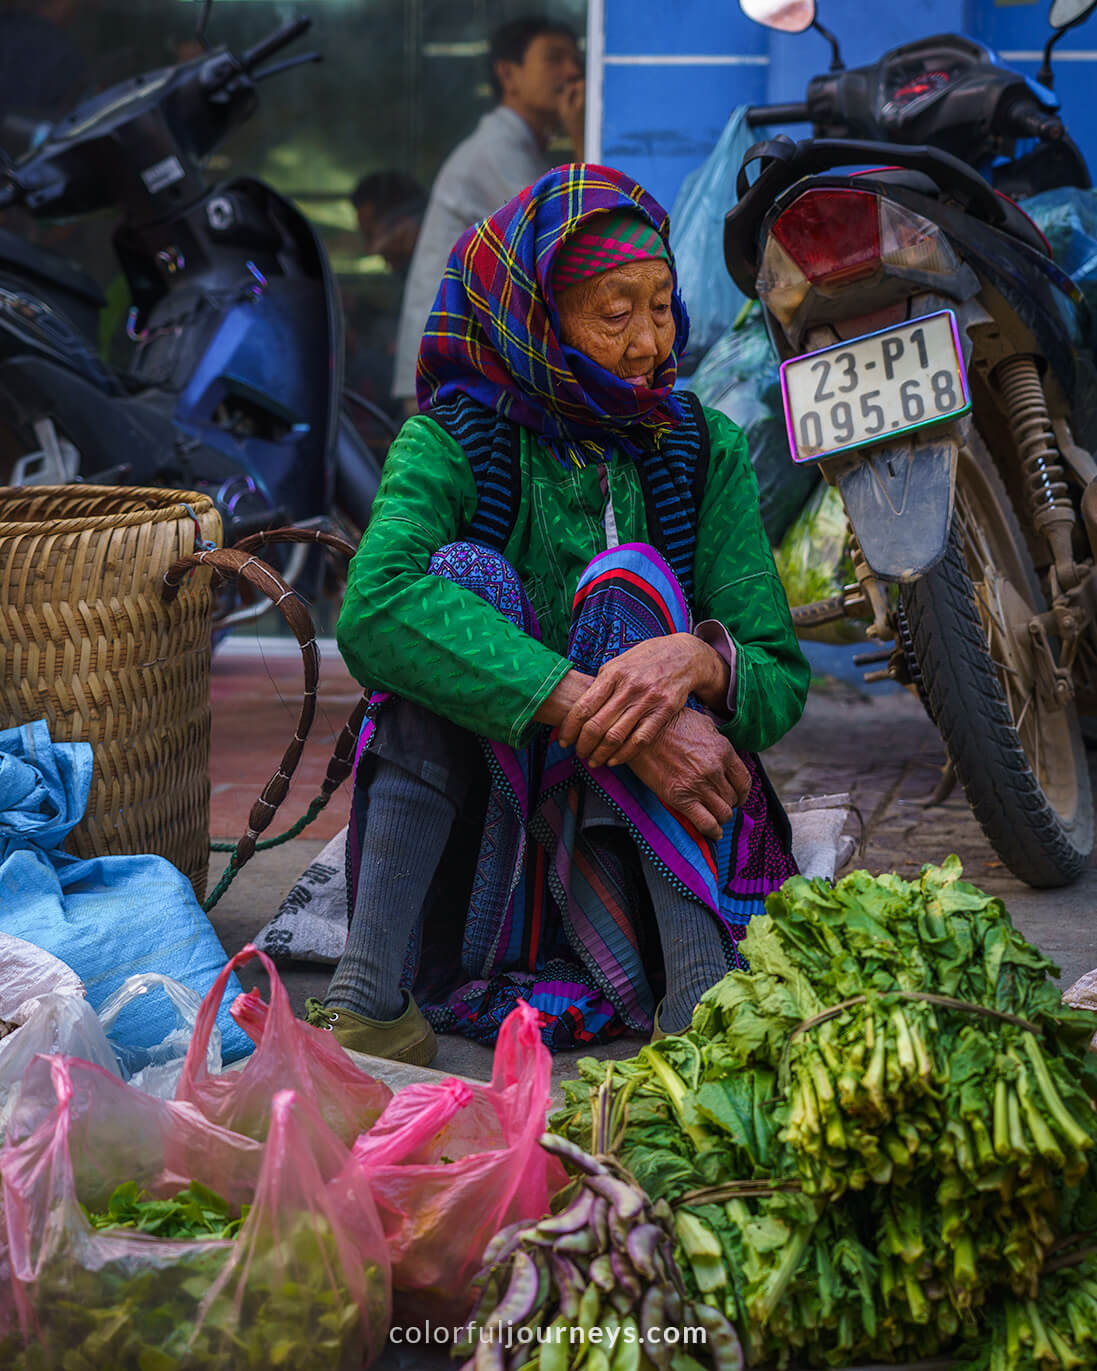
[(289, 1055), (305, 1284), (450, 1164), (162, 1145)]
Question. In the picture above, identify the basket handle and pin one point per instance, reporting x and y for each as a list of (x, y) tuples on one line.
[(290, 534), (230, 562), (341, 762), (226, 563)]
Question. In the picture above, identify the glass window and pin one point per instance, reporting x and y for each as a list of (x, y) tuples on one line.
[(400, 84)]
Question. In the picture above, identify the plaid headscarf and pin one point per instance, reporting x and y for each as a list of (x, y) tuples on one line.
[(493, 333)]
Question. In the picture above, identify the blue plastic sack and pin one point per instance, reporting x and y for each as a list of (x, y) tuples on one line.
[(739, 375), (106, 917), (1067, 216), (697, 238)]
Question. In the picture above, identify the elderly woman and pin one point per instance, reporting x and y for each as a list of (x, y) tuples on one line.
[(568, 609)]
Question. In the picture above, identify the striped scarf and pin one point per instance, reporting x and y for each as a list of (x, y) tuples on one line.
[(493, 333)]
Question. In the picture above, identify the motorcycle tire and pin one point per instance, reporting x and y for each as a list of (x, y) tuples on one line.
[(1022, 766)]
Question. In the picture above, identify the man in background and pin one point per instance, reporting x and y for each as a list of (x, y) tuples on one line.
[(389, 206), (537, 75)]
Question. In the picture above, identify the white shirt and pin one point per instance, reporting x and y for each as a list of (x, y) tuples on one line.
[(497, 160)]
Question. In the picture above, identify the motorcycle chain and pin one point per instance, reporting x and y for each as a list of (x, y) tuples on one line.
[(905, 641)]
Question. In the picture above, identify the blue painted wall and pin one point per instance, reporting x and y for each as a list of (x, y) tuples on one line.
[(662, 113), (673, 72)]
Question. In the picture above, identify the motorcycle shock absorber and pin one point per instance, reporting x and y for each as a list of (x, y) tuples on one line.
[(880, 629), (1045, 487)]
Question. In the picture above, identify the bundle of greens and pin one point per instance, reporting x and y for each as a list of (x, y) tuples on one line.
[(1058, 1329), (881, 1127), (176, 1305)]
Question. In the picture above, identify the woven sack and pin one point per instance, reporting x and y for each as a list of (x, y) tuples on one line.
[(88, 643)]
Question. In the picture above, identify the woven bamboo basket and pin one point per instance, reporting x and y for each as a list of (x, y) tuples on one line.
[(87, 643)]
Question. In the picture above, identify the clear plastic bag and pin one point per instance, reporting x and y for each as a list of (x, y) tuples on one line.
[(156, 1070), (58, 1023), (67, 1024), (304, 1286), (697, 235), (739, 376), (30, 971), (289, 1054), (38, 986), (1083, 995), (452, 1163), (813, 561)]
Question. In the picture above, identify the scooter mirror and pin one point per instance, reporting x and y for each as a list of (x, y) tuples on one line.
[(794, 16), (1064, 13), (203, 22)]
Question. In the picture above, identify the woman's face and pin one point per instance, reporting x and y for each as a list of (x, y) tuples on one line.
[(621, 319)]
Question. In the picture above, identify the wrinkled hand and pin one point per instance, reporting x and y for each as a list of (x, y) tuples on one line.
[(633, 698), (573, 112), (696, 772)]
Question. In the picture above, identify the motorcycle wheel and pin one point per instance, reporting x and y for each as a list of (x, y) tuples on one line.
[(1022, 765)]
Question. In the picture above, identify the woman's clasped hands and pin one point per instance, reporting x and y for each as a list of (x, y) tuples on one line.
[(634, 713)]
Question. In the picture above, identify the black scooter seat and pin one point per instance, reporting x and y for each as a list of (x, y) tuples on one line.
[(49, 267)]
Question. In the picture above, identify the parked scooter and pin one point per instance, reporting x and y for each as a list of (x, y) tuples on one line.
[(929, 369), (235, 386)]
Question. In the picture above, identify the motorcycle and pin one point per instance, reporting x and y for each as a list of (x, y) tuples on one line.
[(235, 383), (929, 369)]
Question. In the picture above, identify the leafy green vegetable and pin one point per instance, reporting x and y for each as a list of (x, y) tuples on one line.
[(886, 1126), (1058, 1329), (196, 1212), (163, 1294)]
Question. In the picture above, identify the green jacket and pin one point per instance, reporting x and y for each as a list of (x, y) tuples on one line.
[(440, 644)]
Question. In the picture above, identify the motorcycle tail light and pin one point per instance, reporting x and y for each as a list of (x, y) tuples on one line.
[(832, 238), (907, 240), (782, 286), (830, 233)]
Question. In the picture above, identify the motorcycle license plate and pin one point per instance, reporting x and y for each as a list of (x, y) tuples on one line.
[(874, 388)]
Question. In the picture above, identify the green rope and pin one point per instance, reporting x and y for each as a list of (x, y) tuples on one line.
[(222, 885), (229, 876)]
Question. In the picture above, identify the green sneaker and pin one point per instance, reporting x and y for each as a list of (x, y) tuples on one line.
[(406, 1039), (658, 1033)]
